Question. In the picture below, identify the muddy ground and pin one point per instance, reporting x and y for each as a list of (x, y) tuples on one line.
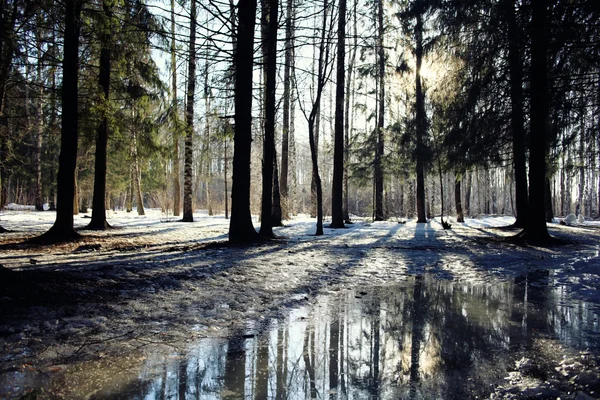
[(145, 284)]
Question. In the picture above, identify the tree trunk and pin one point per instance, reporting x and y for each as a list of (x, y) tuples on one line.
[(420, 122), (98, 221), (188, 174), (175, 111), (468, 194), (225, 180), (7, 46), (536, 228), (135, 174), (313, 179), (548, 201), (347, 124), (129, 195), (293, 159), (206, 145), (3, 169), (457, 199), (313, 120), (517, 118), (378, 167), (39, 126), (63, 228), (582, 166), (316, 130), (240, 227), (75, 203), (285, 139), (337, 212), (269, 11), (276, 213)]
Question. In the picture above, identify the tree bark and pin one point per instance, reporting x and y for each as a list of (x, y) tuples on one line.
[(63, 228), (188, 174), (8, 18), (129, 195), (135, 175), (347, 124), (225, 179), (285, 139), (517, 118), (276, 212), (206, 144), (337, 212), (379, 150), (468, 194), (175, 111), (313, 121), (582, 166), (98, 221), (420, 122), (548, 201), (39, 126), (457, 200), (241, 228), (536, 228), (270, 9)]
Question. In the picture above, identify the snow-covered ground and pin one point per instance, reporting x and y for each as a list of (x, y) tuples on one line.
[(155, 279)]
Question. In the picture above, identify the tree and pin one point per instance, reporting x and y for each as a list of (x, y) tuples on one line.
[(98, 221), (379, 147), (420, 117), (175, 114), (460, 217), (11, 14), (241, 228), (337, 212), (188, 175), (323, 71), (63, 228), (270, 46), (536, 228), (285, 138), (517, 119), (347, 125), (38, 119)]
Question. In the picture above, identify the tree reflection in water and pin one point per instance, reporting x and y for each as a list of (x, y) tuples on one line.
[(425, 338)]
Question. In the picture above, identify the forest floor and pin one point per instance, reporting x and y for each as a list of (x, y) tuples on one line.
[(152, 279)]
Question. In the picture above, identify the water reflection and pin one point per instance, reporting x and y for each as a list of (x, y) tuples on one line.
[(422, 339)]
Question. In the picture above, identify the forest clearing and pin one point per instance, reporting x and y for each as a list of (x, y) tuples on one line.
[(150, 295), (380, 183)]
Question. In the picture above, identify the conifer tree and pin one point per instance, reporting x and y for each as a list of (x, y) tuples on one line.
[(337, 212), (188, 208), (63, 228), (241, 228)]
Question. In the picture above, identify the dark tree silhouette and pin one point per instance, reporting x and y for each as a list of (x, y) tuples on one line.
[(421, 117), (536, 228), (98, 221), (188, 208), (175, 113), (517, 120), (285, 138), (378, 172), (240, 226), (63, 228), (270, 46), (337, 211)]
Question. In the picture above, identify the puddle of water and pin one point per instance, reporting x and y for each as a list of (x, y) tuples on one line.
[(424, 338)]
